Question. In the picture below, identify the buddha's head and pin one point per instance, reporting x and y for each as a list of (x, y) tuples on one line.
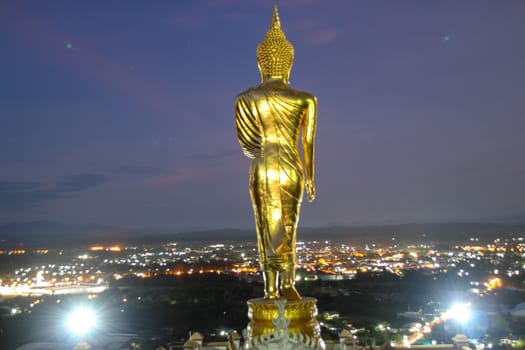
[(275, 53)]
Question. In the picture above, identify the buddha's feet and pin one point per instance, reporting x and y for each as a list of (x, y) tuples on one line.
[(291, 294)]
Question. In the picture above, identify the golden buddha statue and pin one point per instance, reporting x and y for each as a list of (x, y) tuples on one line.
[(270, 119)]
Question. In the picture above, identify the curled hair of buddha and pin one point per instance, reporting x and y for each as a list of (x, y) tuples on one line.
[(275, 53)]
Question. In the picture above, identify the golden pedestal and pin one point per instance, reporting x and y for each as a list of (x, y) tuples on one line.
[(302, 315)]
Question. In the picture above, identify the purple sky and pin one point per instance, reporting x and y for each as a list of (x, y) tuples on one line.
[(121, 112)]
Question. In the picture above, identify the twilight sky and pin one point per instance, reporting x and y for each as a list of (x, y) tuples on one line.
[(121, 112)]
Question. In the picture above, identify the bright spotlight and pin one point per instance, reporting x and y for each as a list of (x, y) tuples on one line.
[(460, 312), (81, 320)]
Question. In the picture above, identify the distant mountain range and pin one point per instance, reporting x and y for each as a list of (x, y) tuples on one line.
[(56, 234), (512, 219), (51, 233)]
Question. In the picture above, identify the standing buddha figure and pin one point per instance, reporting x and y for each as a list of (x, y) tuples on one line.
[(270, 120)]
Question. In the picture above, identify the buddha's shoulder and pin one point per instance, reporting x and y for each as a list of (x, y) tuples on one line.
[(259, 90), (300, 96), (303, 94), (253, 91)]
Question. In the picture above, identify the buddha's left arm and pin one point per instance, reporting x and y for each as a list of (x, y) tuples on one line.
[(308, 145)]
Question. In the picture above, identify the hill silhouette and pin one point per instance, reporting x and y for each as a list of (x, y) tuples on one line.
[(56, 234)]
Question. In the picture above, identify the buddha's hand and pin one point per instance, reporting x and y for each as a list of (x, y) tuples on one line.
[(310, 189)]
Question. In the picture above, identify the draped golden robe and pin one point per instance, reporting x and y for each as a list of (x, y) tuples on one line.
[(269, 120)]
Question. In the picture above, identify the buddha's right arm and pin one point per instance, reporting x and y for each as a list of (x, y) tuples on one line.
[(247, 127)]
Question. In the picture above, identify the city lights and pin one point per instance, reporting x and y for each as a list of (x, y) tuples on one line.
[(86, 273), (459, 312), (81, 320)]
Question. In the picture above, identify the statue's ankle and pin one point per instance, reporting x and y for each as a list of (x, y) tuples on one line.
[(272, 296), (290, 293)]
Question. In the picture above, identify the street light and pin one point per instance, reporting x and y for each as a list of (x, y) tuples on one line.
[(460, 312), (80, 322)]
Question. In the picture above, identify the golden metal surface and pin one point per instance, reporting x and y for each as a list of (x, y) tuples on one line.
[(275, 53), (270, 119), (301, 313)]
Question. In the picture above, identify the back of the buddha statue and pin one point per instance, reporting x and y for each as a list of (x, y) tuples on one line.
[(269, 120), (273, 118)]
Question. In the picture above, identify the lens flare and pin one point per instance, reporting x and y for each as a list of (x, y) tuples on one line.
[(81, 320)]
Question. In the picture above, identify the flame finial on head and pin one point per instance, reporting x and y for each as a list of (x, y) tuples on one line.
[(276, 21), (275, 53)]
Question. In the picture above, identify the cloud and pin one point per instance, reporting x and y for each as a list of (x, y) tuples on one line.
[(323, 36), (199, 13), (17, 195), (189, 18), (302, 25), (15, 186), (89, 63), (139, 170), (314, 31), (301, 3), (170, 180), (215, 156), (80, 182)]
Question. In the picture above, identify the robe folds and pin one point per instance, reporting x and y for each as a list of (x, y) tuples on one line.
[(269, 123)]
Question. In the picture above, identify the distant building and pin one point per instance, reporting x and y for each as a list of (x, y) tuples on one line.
[(112, 341), (345, 341), (196, 342), (518, 311)]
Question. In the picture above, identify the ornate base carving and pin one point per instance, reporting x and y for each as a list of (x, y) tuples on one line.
[(301, 314)]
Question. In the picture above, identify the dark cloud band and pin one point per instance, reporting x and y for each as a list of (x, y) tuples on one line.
[(17, 195)]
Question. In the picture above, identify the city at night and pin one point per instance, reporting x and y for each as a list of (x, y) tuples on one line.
[(249, 175)]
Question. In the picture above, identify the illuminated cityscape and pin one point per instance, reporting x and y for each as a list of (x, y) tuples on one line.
[(89, 270), (474, 273)]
